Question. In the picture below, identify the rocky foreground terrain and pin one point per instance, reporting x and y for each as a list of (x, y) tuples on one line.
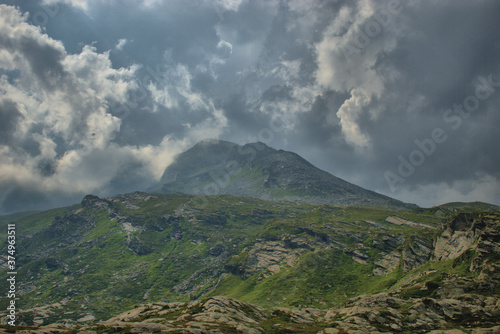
[(380, 313), (455, 290)]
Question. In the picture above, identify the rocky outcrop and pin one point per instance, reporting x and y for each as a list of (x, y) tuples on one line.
[(139, 247), (475, 237), (409, 254), (94, 202), (403, 221), (458, 236), (387, 264), (380, 313), (388, 313), (133, 200), (268, 257), (488, 249), (69, 228), (62, 232), (417, 253)]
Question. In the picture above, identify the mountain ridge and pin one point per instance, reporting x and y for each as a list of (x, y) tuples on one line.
[(220, 167)]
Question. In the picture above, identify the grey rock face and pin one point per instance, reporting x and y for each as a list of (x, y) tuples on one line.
[(458, 236)]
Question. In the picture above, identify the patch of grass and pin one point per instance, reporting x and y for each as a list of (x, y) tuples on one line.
[(30, 222), (322, 279), (461, 265)]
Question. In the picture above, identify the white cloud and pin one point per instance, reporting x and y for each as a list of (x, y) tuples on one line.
[(300, 64), (211, 127), (347, 58), (160, 156), (349, 113), (161, 96), (82, 4), (174, 90), (63, 141), (225, 48), (295, 98), (62, 98), (121, 44), (483, 189), (87, 5), (95, 71), (230, 4)]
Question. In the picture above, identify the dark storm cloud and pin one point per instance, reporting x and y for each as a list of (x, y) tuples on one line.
[(446, 48), (245, 123), (319, 127), (437, 52), (45, 62), (9, 119), (132, 83), (438, 65), (89, 126), (183, 28)]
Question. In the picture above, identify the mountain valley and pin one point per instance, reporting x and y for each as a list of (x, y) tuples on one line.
[(249, 239)]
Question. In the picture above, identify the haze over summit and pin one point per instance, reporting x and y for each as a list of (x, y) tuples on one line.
[(98, 97)]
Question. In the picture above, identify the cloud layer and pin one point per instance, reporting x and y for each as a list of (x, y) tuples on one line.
[(401, 97)]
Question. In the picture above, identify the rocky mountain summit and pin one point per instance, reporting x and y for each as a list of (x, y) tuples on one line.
[(214, 167), (152, 263)]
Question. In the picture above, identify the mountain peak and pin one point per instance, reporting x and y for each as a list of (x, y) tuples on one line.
[(220, 167), (213, 142), (223, 144), (257, 145)]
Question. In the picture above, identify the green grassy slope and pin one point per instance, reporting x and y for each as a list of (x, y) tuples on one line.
[(103, 256)]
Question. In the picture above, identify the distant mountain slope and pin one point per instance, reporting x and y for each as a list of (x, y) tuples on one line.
[(451, 208), (469, 206), (15, 216), (219, 167)]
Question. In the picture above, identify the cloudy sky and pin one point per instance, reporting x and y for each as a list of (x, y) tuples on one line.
[(400, 97)]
